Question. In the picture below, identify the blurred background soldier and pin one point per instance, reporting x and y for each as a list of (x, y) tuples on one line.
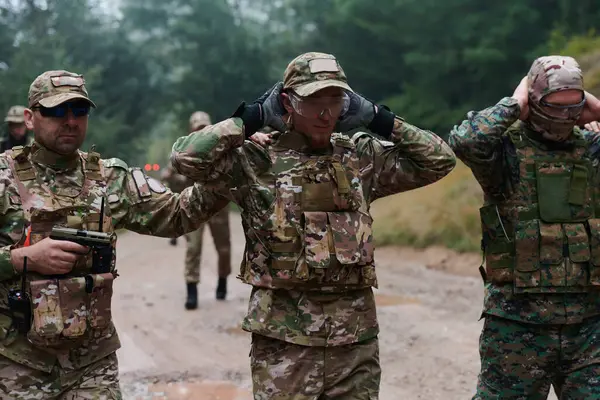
[(219, 227)]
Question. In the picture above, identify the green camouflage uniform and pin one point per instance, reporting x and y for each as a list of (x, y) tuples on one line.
[(309, 250), (541, 238), (69, 351)]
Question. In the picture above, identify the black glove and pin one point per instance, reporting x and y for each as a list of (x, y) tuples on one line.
[(267, 110), (363, 112)]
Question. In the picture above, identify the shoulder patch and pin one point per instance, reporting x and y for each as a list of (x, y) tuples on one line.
[(115, 163), (155, 185), (141, 183)]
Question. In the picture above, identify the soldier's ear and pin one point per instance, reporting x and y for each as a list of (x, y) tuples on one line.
[(28, 116)]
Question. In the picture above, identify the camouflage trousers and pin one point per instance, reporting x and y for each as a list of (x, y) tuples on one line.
[(287, 371), (521, 361), (219, 227), (98, 381)]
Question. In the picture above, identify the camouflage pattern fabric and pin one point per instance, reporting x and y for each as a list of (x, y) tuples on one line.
[(67, 191), (97, 381), (246, 173), (15, 115), (56, 87), (549, 75), (285, 371), (540, 237), (521, 361), (219, 229), (310, 72), (483, 142)]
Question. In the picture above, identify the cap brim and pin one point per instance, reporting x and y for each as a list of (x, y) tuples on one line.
[(55, 100), (15, 120), (314, 87)]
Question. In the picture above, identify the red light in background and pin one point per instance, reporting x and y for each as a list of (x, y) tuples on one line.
[(147, 167), (156, 167)]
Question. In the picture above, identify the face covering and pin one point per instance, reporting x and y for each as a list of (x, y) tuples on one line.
[(549, 75)]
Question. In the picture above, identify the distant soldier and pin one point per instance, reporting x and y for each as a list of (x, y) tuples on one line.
[(17, 132), (219, 227)]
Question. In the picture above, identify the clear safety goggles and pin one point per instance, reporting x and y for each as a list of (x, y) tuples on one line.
[(317, 107), (565, 111)]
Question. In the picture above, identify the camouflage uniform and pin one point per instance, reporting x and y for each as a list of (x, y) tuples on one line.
[(219, 228), (69, 351), (14, 116), (309, 250), (541, 238)]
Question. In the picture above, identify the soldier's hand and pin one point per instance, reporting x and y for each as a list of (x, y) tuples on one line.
[(272, 108), (521, 94), (591, 110), (49, 256), (267, 110), (593, 126), (363, 113), (263, 139)]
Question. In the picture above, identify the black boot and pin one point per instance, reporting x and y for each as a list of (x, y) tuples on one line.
[(192, 296), (173, 241), (222, 289)]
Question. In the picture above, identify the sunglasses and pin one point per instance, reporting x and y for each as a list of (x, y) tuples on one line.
[(79, 109)]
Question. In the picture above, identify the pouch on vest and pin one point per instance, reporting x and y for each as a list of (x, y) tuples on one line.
[(352, 237), (527, 254), (73, 304), (47, 314), (594, 226), (552, 266), (562, 191), (498, 249), (319, 196), (579, 254), (100, 300), (316, 240)]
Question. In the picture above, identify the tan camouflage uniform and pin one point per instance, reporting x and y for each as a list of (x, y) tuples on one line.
[(541, 237), (69, 352), (309, 250)]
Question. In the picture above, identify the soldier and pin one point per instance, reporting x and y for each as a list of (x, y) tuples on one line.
[(304, 202), (67, 348), (17, 132), (219, 228), (541, 235)]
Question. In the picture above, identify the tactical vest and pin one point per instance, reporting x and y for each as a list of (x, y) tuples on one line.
[(65, 310), (315, 234), (545, 237)]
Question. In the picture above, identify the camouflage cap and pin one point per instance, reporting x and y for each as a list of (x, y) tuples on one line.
[(55, 87), (310, 72), (15, 115), (550, 74), (198, 119)]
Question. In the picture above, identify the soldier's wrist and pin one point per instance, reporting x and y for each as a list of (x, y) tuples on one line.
[(16, 259), (383, 122)]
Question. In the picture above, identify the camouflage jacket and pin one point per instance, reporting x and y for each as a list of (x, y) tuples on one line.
[(174, 181), (133, 201), (219, 157), (488, 143)]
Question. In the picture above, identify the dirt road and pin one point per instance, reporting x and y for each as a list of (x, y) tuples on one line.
[(429, 324)]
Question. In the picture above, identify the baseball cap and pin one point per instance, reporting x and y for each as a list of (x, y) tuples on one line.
[(310, 72), (15, 115), (56, 87)]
